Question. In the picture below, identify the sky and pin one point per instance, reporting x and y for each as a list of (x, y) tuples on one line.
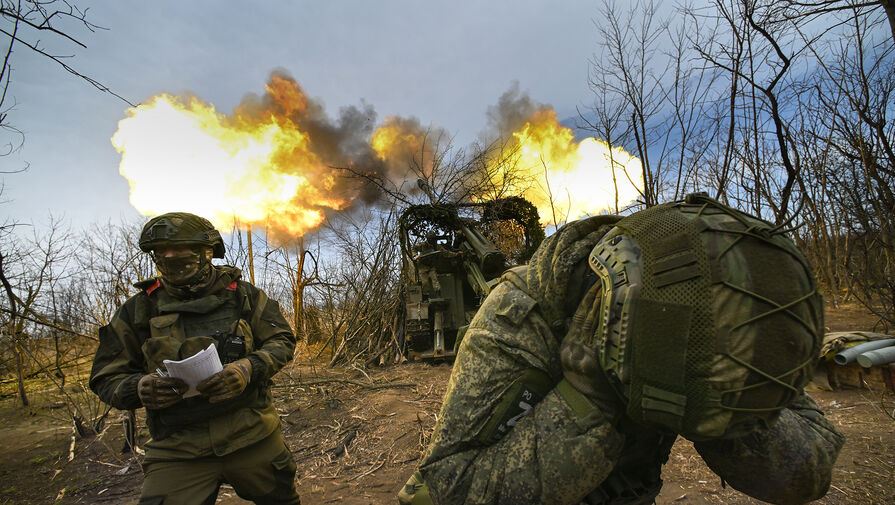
[(443, 63)]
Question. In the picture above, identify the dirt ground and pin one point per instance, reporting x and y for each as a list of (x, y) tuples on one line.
[(357, 435)]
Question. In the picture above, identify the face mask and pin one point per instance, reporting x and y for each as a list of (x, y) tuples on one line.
[(181, 269)]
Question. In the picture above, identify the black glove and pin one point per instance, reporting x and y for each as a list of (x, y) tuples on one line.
[(580, 360), (228, 383), (157, 392)]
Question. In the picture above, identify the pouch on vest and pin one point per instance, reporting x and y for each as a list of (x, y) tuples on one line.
[(193, 345), (190, 411), (165, 338), (235, 344)]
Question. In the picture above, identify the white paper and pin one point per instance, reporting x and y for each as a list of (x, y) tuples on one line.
[(195, 369)]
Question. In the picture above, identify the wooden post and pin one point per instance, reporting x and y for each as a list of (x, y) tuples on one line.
[(298, 294), (251, 255)]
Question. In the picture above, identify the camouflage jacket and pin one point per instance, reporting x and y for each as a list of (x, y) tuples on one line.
[(194, 427), (546, 452)]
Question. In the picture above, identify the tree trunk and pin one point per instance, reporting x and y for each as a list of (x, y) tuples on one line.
[(298, 294), (14, 334), (20, 371), (58, 360), (889, 6)]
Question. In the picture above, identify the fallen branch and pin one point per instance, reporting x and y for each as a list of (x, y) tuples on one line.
[(372, 359), (368, 472), (74, 436), (113, 465), (342, 447)]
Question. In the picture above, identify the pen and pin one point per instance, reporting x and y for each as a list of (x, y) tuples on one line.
[(164, 373)]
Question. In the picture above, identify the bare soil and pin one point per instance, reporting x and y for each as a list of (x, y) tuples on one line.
[(357, 435)]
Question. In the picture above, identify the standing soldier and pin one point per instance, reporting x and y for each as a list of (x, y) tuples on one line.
[(581, 369), (231, 431)]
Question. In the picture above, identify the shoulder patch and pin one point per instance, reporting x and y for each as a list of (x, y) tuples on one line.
[(516, 402)]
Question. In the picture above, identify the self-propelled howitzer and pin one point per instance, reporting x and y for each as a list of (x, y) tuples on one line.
[(451, 261)]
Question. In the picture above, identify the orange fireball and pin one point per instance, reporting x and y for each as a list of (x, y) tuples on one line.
[(256, 166), (274, 161), (563, 178), (573, 179)]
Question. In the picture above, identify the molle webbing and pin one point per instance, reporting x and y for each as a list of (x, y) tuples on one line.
[(674, 324)]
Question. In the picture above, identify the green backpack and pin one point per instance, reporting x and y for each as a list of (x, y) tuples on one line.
[(710, 319)]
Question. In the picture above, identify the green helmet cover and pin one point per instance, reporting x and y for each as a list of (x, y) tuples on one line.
[(181, 228), (710, 318)]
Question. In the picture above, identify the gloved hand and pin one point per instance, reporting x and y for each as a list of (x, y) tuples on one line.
[(157, 392), (580, 360), (228, 383)]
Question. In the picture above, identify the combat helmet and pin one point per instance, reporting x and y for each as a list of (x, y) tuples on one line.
[(181, 228), (710, 321)]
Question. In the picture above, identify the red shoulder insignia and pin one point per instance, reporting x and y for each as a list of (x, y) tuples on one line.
[(156, 285), (232, 286)]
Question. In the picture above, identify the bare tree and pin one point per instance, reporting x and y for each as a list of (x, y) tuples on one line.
[(853, 86), (12, 325), (358, 296), (110, 261), (627, 75), (298, 270), (780, 108), (30, 24), (807, 11), (607, 123), (27, 269)]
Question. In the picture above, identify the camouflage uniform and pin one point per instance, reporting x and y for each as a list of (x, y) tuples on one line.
[(512, 430), (196, 444)]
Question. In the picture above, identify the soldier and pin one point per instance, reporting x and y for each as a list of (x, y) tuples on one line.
[(580, 369), (231, 431)]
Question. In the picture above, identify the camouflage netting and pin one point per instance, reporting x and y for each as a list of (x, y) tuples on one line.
[(525, 215), (512, 224)]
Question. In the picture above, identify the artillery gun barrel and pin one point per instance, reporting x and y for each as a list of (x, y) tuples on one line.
[(476, 279), (491, 260)]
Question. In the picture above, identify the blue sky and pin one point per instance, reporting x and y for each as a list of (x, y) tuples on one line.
[(443, 63)]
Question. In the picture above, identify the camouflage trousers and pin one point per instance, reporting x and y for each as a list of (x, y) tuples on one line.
[(263, 473)]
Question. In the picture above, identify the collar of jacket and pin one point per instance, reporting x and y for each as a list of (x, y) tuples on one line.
[(212, 298)]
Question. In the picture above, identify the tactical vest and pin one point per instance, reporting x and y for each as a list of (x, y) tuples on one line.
[(177, 329)]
